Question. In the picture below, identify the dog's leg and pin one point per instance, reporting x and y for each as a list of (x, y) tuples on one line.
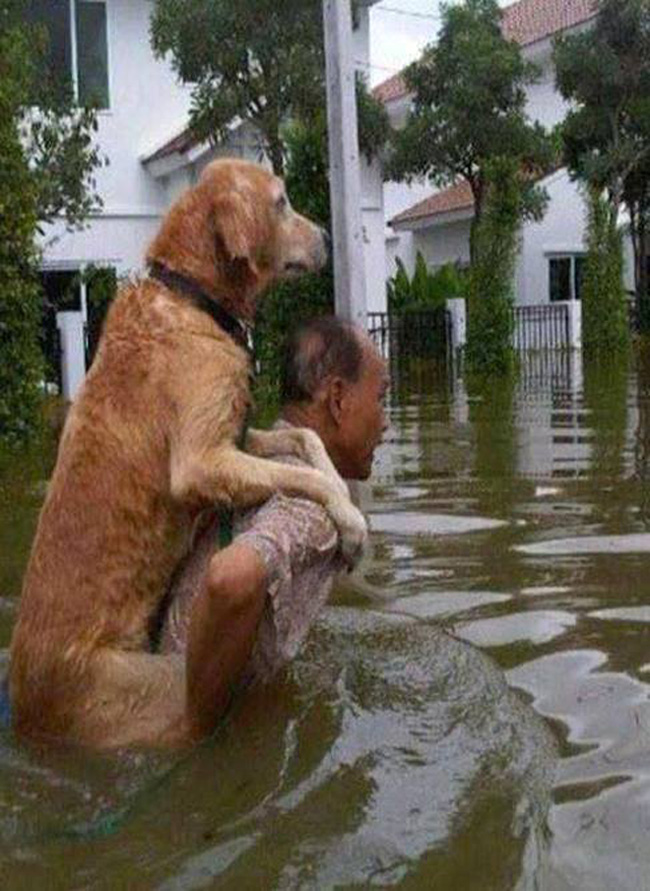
[(228, 475), (300, 442)]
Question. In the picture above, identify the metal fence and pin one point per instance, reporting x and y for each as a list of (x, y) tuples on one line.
[(50, 341), (542, 327), (417, 334)]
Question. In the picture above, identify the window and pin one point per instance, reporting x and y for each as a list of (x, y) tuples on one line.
[(77, 46), (565, 276)]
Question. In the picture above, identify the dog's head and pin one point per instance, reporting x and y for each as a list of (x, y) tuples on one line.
[(236, 233)]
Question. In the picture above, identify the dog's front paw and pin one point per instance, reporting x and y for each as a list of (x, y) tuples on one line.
[(315, 454), (353, 530)]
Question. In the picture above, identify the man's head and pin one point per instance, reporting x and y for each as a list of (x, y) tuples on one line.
[(334, 381)]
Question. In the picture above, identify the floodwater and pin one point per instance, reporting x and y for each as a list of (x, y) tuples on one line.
[(471, 712)]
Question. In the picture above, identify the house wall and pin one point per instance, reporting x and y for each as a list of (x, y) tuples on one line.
[(146, 105), (398, 197), (399, 246), (561, 231), (444, 244), (372, 220), (544, 103)]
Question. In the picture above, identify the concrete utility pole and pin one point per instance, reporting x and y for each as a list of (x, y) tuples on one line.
[(345, 183)]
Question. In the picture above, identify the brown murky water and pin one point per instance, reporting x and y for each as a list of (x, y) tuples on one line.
[(472, 711)]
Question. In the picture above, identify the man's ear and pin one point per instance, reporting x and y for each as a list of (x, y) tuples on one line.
[(236, 226), (336, 399)]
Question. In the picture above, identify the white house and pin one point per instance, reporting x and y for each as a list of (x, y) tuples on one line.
[(104, 45), (438, 223)]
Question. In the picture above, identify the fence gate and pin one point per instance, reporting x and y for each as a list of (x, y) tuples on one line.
[(542, 327), (412, 333)]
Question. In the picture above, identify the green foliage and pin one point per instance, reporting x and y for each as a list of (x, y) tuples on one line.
[(491, 281), (605, 327), (288, 304), (46, 164), (605, 75), (469, 108), (20, 360), (57, 135), (307, 172), (426, 289), (101, 288), (605, 394), (282, 309), (259, 61)]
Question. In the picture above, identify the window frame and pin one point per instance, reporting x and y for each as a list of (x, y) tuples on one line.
[(74, 50), (573, 257)]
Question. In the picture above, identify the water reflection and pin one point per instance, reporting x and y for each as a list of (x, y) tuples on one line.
[(561, 455), (510, 542)]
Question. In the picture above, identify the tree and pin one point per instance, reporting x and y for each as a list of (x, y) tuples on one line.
[(491, 279), (636, 198), (605, 74), (605, 327), (259, 61), (469, 108), (47, 159), (20, 362), (296, 300)]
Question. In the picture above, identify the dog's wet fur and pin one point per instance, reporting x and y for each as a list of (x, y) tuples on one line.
[(148, 443)]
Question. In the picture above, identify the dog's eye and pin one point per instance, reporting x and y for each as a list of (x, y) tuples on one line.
[(282, 202)]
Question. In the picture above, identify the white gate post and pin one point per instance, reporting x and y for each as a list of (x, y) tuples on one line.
[(73, 352), (345, 180), (458, 311), (575, 324)]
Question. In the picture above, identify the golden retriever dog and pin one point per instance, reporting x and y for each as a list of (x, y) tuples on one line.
[(149, 442)]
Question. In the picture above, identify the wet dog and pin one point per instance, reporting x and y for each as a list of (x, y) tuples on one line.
[(149, 442)]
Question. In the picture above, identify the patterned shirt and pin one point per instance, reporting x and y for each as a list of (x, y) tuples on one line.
[(299, 546)]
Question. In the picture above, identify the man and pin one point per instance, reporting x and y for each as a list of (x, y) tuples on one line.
[(258, 597)]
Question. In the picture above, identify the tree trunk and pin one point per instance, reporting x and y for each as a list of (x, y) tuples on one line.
[(276, 154), (641, 263), (477, 194)]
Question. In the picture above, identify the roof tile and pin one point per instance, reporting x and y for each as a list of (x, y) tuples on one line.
[(526, 22), (457, 197)]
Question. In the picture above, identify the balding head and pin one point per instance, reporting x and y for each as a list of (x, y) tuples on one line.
[(334, 381), (318, 351)]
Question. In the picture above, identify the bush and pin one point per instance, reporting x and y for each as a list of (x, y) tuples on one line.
[(282, 309), (46, 163), (289, 303), (605, 312), (20, 358), (426, 289), (491, 281)]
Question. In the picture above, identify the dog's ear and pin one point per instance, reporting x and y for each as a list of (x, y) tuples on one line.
[(237, 226)]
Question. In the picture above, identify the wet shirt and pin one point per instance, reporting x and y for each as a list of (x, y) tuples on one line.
[(299, 545)]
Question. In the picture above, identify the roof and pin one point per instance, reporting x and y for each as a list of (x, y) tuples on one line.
[(457, 197), (531, 20), (180, 143), (393, 88), (526, 22)]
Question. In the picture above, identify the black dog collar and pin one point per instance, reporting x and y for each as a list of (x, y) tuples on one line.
[(180, 284)]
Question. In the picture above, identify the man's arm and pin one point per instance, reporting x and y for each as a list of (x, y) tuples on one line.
[(225, 614)]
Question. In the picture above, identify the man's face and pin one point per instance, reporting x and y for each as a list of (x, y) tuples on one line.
[(362, 419)]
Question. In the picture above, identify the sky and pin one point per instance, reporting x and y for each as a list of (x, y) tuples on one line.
[(399, 31)]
